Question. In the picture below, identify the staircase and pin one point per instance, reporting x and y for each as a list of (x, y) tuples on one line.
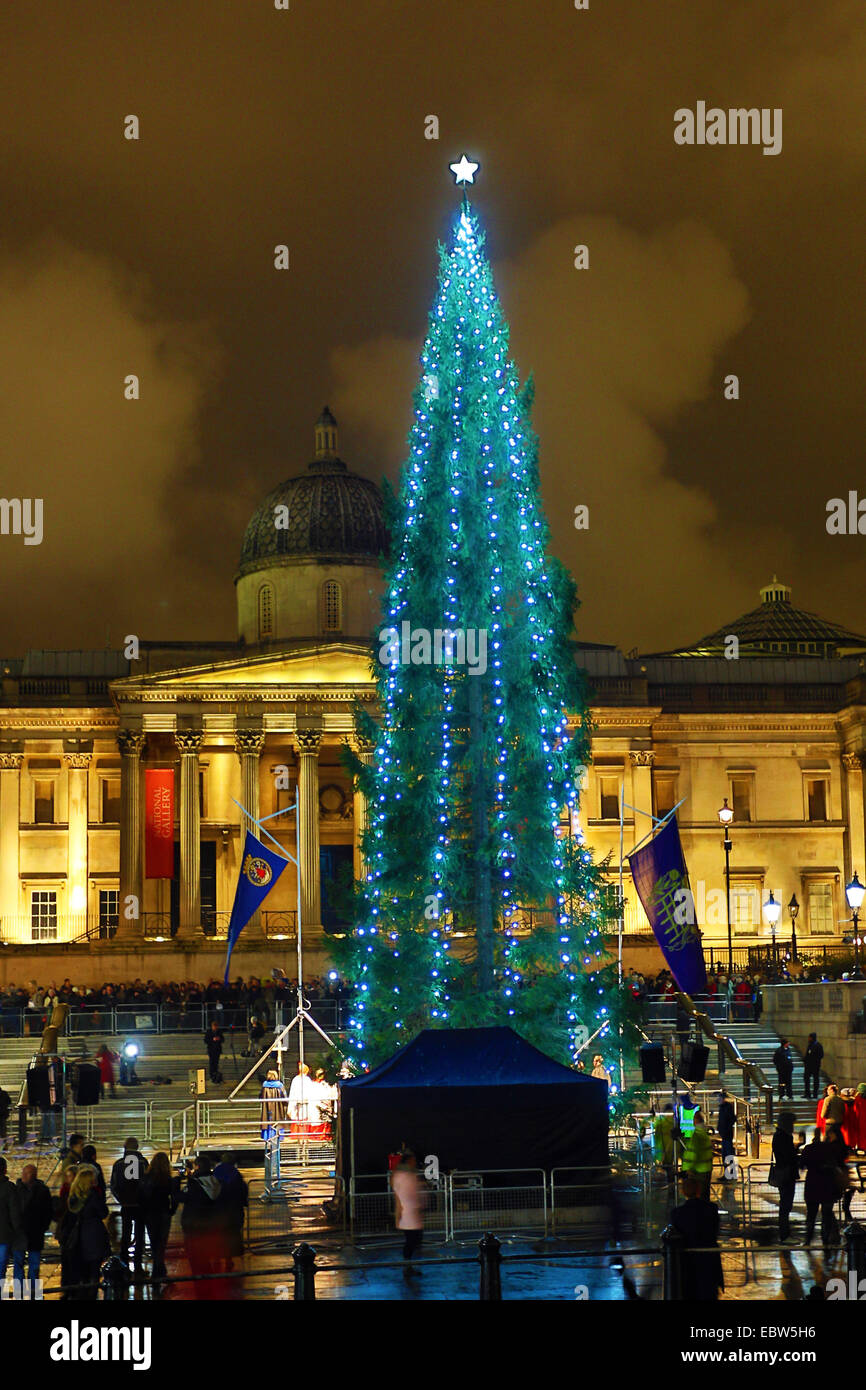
[(757, 1043), (171, 1055)]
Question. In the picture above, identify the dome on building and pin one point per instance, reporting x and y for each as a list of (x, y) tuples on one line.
[(310, 567), (776, 628), (326, 511)]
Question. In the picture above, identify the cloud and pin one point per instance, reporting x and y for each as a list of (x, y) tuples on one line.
[(617, 351), (72, 327)]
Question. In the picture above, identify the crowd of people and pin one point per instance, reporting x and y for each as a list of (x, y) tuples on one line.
[(261, 995), (742, 990), (212, 1201), (828, 1163)]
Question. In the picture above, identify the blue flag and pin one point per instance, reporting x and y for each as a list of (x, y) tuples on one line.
[(260, 869), (662, 882)]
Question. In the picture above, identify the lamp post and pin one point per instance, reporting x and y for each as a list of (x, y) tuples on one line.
[(794, 910), (772, 913), (854, 892), (726, 815)]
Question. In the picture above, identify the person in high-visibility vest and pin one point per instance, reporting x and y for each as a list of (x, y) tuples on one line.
[(664, 1142), (698, 1154)]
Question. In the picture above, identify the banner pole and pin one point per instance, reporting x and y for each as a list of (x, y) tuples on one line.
[(621, 929)]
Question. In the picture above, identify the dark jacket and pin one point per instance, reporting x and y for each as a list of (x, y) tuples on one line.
[(156, 1199), (37, 1211), (82, 1233), (785, 1157), (214, 1041), (5, 1103), (813, 1057), (820, 1185), (11, 1223), (783, 1061), (697, 1221), (201, 1208), (727, 1119), (126, 1176)]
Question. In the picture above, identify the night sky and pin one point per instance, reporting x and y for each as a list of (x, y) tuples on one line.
[(306, 127)]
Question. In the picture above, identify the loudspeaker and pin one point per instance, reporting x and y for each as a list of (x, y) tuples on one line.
[(693, 1061), (39, 1087), (86, 1084), (652, 1062)]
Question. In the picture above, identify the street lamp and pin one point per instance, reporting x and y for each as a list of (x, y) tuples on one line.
[(794, 909), (772, 913), (855, 892), (726, 815)]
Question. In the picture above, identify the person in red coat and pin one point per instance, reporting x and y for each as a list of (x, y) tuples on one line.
[(858, 1122), (106, 1059)]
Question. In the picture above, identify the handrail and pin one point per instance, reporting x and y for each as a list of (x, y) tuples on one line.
[(750, 1070)]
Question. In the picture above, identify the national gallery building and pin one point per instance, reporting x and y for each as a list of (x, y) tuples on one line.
[(779, 731)]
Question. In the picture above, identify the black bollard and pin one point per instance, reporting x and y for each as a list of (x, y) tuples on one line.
[(491, 1277), (855, 1244), (114, 1279), (672, 1253), (304, 1257)]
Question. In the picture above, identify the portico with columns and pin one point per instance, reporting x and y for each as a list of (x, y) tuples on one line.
[(260, 731)]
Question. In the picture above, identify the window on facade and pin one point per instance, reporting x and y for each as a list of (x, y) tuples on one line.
[(266, 612), (745, 908), (43, 914), (609, 796), (109, 908), (110, 800), (820, 905), (816, 798), (665, 789), (741, 798), (332, 606), (43, 801)]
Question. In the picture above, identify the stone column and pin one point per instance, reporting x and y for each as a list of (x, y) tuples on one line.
[(249, 744), (307, 742), (189, 742), (10, 818), (853, 764), (78, 765), (642, 760), (363, 749), (129, 923)]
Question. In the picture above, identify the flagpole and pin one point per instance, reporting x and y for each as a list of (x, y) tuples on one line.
[(301, 1014), (301, 1000)]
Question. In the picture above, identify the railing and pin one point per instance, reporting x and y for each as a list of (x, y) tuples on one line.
[(157, 926), (663, 1008), (119, 1019), (594, 1200), (63, 929), (330, 1014), (729, 1051), (96, 1123), (215, 924), (181, 1125), (280, 926)]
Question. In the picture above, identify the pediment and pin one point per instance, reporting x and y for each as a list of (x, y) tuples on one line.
[(320, 666)]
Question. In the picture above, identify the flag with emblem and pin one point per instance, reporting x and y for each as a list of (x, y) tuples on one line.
[(662, 882), (260, 869)]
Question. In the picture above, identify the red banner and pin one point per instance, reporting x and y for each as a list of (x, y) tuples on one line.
[(158, 822)]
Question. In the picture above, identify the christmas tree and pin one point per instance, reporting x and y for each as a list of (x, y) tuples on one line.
[(480, 904)]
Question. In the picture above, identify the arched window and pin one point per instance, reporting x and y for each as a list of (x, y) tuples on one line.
[(332, 606), (266, 612)]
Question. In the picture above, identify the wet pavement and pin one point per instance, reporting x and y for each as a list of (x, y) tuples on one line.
[(532, 1269)]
